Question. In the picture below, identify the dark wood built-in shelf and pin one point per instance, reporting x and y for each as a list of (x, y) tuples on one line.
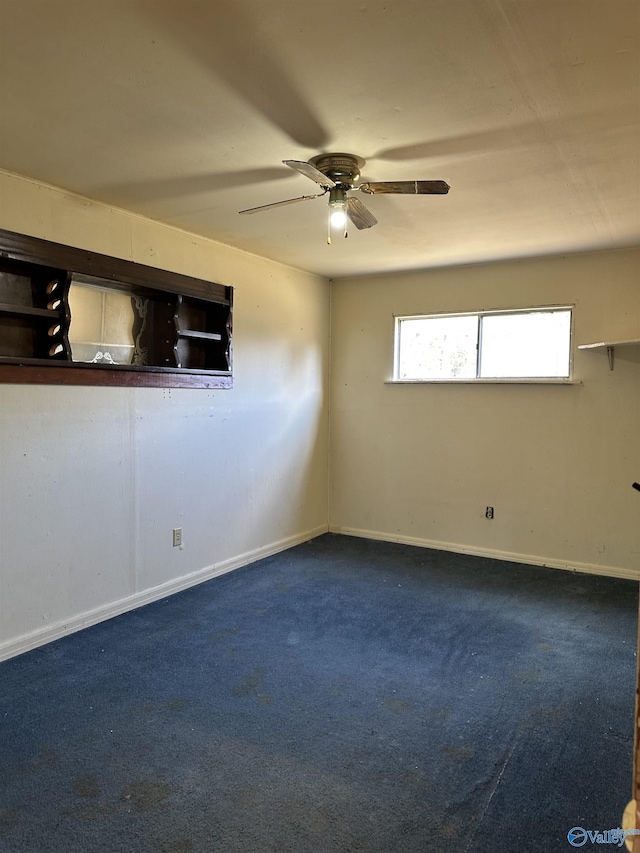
[(205, 336), (175, 331), (28, 311)]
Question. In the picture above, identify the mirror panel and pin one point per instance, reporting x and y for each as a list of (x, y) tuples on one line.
[(102, 325)]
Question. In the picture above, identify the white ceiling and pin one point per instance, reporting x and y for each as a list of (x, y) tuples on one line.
[(183, 112)]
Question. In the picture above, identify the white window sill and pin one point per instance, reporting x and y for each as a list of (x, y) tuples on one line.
[(498, 381)]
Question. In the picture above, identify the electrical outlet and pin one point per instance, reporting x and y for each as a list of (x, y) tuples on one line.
[(489, 512), (177, 536)]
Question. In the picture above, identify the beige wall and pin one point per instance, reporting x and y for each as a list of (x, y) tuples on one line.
[(420, 463), (92, 480)]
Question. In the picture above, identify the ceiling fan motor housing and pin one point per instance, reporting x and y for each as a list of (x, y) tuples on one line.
[(343, 169)]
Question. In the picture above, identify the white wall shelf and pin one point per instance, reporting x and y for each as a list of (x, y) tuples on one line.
[(610, 347)]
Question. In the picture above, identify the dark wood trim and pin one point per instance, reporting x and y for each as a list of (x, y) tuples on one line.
[(72, 374), (33, 250)]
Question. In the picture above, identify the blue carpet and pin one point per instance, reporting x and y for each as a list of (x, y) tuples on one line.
[(345, 695)]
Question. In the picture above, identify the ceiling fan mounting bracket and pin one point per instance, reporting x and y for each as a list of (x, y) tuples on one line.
[(343, 169)]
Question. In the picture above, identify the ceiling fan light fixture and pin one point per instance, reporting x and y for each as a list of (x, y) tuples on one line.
[(337, 211), (338, 214)]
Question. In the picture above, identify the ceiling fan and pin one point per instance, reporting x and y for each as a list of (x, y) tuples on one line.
[(337, 174)]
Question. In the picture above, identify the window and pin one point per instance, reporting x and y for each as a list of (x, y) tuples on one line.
[(532, 344)]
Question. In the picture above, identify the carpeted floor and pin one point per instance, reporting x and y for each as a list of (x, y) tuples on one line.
[(345, 695)]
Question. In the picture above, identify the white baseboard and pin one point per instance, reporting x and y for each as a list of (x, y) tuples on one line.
[(508, 556), (32, 640)]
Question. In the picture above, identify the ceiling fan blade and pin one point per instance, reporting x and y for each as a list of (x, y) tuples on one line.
[(310, 171), (359, 214), (280, 203), (406, 187)]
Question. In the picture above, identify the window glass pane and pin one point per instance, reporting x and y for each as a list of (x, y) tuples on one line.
[(530, 345), (437, 347)]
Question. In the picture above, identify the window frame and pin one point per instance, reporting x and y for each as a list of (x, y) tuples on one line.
[(480, 380)]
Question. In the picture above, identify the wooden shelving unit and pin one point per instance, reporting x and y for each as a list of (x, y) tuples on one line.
[(200, 337), (34, 317), (177, 329)]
